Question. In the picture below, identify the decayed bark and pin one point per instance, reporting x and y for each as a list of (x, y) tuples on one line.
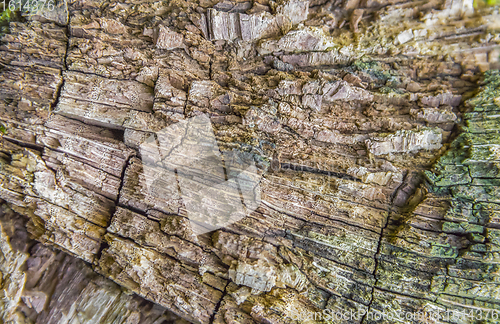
[(41, 285), (372, 125)]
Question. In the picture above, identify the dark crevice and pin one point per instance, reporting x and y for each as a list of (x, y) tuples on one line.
[(107, 78), (31, 146), (118, 134), (122, 180), (305, 248), (147, 247), (104, 244), (185, 265), (379, 246), (146, 215), (210, 70), (350, 202), (70, 211), (68, 35), (300, 269), (58, 96), (304, 168), (322, 216), (395, 293), (132, 108), (224, 293)]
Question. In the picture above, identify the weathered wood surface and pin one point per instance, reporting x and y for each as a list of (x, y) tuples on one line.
[(373, 127), (43, 285)]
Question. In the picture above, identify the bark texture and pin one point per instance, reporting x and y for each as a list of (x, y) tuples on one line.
[(42, 285), (373, 126)]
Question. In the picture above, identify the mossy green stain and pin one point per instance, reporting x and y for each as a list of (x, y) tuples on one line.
[(485, 3), (443, 251), (466, 160), (5, 18), (373, 69), (469, 172)]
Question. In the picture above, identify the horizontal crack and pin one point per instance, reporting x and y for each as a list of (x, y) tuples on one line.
[(304, 168)]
